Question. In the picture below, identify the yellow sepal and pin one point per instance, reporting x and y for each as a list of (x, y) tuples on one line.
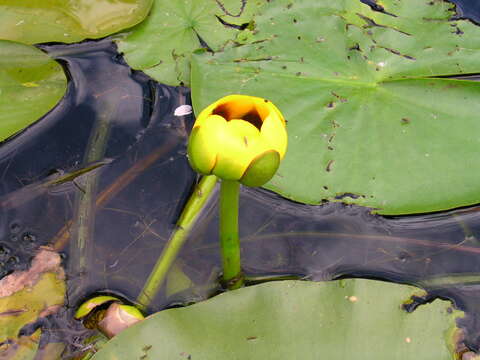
[(274, 134), (261, 169), (203, 144)]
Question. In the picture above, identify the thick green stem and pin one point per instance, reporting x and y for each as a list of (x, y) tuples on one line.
[(190, 213), (229, 241)]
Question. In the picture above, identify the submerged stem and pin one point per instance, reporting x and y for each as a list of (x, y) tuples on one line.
[(192, 210), (230, 243), (84, 219)]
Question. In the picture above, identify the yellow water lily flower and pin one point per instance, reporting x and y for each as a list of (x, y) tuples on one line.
[(240, 138), (108, 314)]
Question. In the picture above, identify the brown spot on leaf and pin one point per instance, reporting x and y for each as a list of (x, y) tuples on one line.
[(13, 312), (347, 195), (355, 47), (329, 165)]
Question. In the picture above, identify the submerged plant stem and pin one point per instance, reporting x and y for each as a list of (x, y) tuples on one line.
[(229, 241), (84, 220), (192, 210)]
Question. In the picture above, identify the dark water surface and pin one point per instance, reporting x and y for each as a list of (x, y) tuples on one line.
[(468, 9), (142, 180)]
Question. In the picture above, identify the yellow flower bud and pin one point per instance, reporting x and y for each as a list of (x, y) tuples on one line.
[(107, 314), (240, 138)]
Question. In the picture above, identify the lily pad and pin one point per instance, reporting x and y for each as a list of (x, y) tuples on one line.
[(161, 46), (373, 118), (348, 319), (68, 21), (31, 84)]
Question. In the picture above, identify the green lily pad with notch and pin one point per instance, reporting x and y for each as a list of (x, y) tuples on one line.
[(161, 46), (68, 21), (31, 84), (373, 117), (348, 319)]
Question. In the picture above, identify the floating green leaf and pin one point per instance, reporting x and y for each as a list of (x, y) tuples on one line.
[(350, 319), (372, 119), (31, 84), (68, 21), (162, 45)]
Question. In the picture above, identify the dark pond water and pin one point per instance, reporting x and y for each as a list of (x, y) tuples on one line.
[(468, 9), (122, 123)]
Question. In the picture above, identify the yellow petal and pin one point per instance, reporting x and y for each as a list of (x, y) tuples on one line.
[(254, 144), (232, 158), (203, 116), (263, 107), (203, 144), (243, 128), (273, 132), (274, 110)]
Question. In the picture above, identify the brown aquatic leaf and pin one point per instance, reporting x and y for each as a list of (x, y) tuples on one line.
[(26, 296), (23, 348), (45, 261)]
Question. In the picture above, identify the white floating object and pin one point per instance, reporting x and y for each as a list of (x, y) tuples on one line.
[(183, 110)]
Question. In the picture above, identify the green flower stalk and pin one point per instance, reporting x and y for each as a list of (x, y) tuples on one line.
[(197, 201), (240, 139)]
